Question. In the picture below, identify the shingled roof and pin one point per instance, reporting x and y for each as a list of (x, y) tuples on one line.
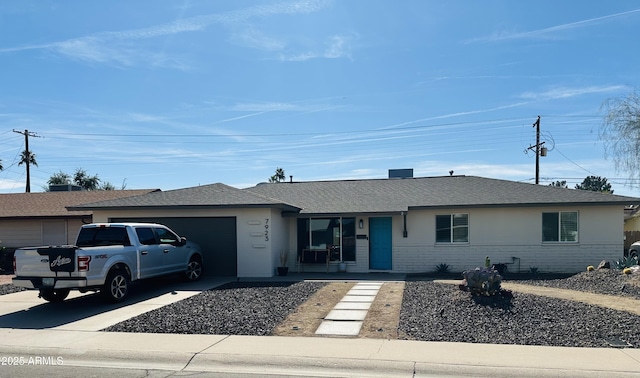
[(396, 195), (205, 196), (54, 204), (367, 196)]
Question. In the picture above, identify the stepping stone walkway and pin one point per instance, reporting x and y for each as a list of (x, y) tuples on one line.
[(347, 316)]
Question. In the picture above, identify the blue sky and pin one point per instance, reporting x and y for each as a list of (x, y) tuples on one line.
[(171, 94)]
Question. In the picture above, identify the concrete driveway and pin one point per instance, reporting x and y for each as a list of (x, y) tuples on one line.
[(89, 312)]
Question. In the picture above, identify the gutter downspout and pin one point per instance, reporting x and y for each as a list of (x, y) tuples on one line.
[(404, 230)]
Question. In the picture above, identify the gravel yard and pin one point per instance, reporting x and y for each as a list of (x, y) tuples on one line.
[(430, 311), (238, 308)]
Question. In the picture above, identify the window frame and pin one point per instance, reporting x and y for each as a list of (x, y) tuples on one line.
[(559, 231), (452, 228)]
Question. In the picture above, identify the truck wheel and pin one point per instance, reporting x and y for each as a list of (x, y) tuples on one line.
[(54, 296), (116, 287), (194, 269)]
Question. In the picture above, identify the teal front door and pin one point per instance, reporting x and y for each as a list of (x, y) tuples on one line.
[(380, 245)]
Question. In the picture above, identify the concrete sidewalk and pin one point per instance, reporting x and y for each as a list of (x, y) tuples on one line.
[(313, 356)]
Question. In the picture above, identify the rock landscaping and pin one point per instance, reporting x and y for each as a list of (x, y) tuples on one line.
[(430, 311), (238, 308)]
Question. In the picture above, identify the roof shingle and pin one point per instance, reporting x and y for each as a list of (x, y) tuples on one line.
[(54, 204)]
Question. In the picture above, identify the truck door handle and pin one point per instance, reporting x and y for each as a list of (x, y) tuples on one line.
[(144, 252), (166, 251)]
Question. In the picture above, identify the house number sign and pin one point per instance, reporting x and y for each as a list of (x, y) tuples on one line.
[(266, 229)]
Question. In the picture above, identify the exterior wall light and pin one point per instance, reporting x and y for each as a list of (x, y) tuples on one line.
[(361, 224)]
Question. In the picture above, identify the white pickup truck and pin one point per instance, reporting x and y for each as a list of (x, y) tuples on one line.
[(106, 258)]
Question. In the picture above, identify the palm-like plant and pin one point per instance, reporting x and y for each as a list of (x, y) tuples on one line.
[(28, 157)]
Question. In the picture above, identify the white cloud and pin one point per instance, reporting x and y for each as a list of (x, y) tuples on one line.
[(563, 92), (119, 48), (550, 32), (335, 47)]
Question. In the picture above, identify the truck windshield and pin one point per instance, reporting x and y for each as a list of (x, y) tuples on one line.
[(100, 236)]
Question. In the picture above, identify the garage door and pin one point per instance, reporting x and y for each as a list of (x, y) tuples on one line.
[(216, 236)]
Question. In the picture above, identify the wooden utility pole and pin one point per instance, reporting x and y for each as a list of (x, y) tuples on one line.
[(27, 134), (537, 147)]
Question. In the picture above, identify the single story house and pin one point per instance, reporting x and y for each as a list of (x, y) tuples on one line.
[(33, 219), (403, 225)]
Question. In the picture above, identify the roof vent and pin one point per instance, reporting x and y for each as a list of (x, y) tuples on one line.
[(65, 188), (401, 173)]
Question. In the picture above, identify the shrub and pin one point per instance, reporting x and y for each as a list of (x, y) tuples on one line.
[(533, 270), (484, 281), (626, 262), (590, 268), (442, 268)]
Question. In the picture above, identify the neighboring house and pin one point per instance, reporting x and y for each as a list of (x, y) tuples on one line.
[(406, 225), (34, 219)]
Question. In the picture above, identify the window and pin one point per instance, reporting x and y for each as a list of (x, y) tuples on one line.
[(338, 235), (166, 236), (99, 236), (452, 228), (146, 236), (560, 226)]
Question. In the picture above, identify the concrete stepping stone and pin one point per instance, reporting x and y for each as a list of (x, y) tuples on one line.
[(346, 315), (358, 298), (352, 306), (331, 328)]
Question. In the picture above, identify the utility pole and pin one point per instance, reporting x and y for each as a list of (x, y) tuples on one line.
[(539, 150), (27, 134)]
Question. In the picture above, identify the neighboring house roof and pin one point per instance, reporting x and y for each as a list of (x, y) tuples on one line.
[(205, 196), (368, 196), (54, 204), (397, 195)]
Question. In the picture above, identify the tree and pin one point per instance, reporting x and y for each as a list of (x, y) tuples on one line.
[(595, 184), (620, 133), (86, 182), (82, 179), (107, 186), (559, 184), (28, 158), (59, 178), (278, 176)]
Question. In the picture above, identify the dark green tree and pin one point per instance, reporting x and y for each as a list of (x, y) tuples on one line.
[(278, 176), (595, 184), (59, 178), (82, 179), (620, 132), (559, 184)]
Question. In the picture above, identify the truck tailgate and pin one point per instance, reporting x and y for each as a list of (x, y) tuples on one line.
[(45, 262)]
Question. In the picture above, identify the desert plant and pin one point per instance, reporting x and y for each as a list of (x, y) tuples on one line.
[(626, 262), (533, 270), (590, 268), (442, 268), (484, 281)]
